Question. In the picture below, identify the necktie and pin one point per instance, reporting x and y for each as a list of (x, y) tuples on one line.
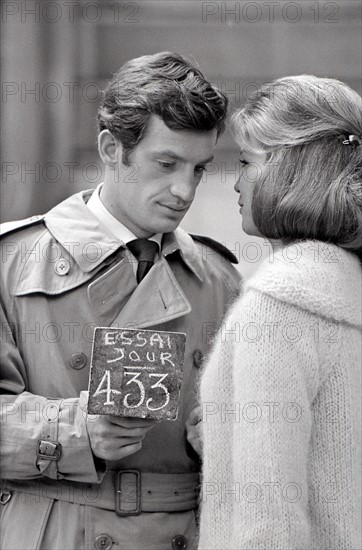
[(144, 251)]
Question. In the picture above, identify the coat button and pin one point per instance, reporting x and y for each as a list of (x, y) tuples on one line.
[(103, 542), (78, 360), (62, 267), (179, 542), (198, 358)]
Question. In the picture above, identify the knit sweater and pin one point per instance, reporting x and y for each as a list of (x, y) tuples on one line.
[(281, 398)]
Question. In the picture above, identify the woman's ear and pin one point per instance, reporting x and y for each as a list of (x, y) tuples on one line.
[(108, 148)]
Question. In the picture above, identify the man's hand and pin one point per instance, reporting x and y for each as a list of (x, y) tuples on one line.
[(113, 437), (193, 429)]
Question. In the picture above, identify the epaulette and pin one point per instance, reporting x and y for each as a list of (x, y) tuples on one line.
[(9, 227), (215, 245)]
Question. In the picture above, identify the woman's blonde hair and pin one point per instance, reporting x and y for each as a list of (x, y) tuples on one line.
[(313, 185)]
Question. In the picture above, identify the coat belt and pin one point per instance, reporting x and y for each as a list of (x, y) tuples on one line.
[(127, 492)]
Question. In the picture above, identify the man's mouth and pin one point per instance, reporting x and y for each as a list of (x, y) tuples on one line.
[(175, 207)]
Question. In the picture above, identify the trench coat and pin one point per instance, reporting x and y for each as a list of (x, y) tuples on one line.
[(62, 275)]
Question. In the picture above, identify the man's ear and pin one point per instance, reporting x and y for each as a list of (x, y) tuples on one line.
[(108, 148)]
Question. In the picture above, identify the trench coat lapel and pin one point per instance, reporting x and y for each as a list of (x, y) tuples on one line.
[(157, 299), (110, 292), (117, 300)]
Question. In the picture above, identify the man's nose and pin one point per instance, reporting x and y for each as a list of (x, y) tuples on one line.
[(237, 186), (184, 188)]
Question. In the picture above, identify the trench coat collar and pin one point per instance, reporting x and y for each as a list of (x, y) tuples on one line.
[(80, 232)]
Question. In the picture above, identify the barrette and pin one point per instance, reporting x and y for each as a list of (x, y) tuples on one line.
[(352, 140)]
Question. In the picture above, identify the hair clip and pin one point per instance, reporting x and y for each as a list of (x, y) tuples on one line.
[(353, 140)]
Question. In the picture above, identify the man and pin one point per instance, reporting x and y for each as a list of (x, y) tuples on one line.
[(74, 480)]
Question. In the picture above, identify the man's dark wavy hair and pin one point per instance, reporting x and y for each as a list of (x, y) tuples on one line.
[(164, 84)]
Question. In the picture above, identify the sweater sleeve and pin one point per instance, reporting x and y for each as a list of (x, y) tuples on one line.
[(275, 380)]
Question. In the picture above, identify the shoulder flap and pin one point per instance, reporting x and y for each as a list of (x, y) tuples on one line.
[(9, 227), (215, 245), (47, 267)]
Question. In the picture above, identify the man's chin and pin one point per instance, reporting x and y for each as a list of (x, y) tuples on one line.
[(167, 227), (169, 224)]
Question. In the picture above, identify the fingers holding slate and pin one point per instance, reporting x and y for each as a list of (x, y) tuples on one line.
[(113, 438), (193, 429)]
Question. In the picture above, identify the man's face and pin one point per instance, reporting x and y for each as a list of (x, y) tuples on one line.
[(153, 194)]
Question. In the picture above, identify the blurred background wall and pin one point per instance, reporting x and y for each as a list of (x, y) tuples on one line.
[(58, 55)]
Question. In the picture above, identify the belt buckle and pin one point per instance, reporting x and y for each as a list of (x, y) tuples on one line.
[(128, 493), (48, 450)]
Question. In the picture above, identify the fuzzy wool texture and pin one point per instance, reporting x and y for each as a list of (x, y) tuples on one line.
[(281, 397)]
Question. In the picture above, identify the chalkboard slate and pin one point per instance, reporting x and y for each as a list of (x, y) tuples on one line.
[(136, 373)]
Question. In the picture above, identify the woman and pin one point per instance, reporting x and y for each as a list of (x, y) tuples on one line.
[(281, 393)]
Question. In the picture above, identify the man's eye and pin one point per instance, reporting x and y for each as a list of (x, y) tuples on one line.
[(243, 162), (200, 169), (165, 164)]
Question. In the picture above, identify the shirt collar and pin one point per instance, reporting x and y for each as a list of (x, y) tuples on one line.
[(114, 226)]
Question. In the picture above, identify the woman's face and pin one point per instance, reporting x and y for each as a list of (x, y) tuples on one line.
[(253, 167)]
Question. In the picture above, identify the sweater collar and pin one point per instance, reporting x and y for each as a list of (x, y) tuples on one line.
[(316, 276)]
